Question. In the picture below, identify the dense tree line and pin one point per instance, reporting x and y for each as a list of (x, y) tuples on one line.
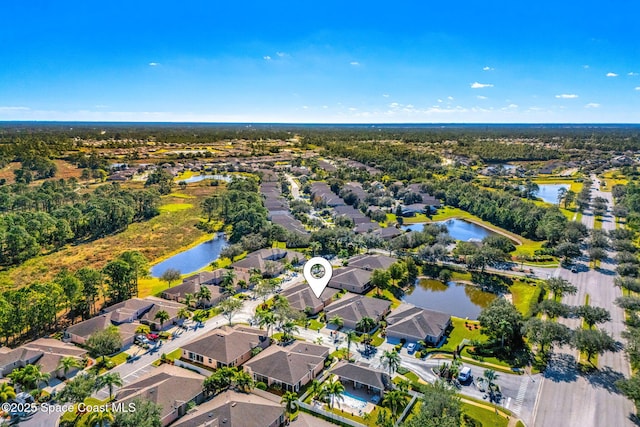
[(33, 219), (504, 210), (39, 308)]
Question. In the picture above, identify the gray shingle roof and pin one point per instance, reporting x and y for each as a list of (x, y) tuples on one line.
[(290, 364), (233, 409), (361, 374), (350, 276), (226, 344), (410, 321), (353, 307)]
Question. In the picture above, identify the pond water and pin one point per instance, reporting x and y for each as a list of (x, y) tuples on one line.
[(198, 178), (192, 259), (549, 192), (458, 229), (456, 299)]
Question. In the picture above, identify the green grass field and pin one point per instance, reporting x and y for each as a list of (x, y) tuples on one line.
[(487, 417), (524, 296)]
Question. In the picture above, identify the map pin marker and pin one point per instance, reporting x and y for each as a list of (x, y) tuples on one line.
[(317, 271)]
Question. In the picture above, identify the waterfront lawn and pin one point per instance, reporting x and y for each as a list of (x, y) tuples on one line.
[(460, 332), (524, 296)]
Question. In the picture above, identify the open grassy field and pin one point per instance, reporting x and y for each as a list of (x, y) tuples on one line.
[(524, 295), (159, 238), (611, 178), (487, 417), (66, 170)]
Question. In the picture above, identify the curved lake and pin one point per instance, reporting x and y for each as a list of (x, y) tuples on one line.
[(549, 192), (458, 229), (198, 178), (456, 299), (192, 259)]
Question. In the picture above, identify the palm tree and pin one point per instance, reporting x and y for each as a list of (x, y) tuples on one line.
[(334, 390), (315, 389), (266, 318), (101, 418), (6, 392), (162, 316), (391, 360), (243, 381), (228, 278), (351, 335), (204, 294), (403, 385), (199, 317), (337, 321), (490, 376), (184, 314), (29, 377), (67, 364), (366, 324), (109, 380), (143, 329), (288, 328), (189, 299), (290, 400), (395, 401)]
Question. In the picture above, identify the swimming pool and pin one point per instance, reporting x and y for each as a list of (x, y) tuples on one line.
[(352, 401)]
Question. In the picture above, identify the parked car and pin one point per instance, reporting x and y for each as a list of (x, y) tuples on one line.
[(411, 347), (465, 374)]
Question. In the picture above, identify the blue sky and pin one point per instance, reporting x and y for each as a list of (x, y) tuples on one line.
[(334, 62)]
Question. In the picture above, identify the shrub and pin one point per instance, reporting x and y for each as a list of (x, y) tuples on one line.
[(398, 347), (402, 370), (261, 386)]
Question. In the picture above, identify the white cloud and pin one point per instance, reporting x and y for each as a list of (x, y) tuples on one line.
[(612, 75), (385, 95), (450, 98), (325, 106), (513, 105), (281, 54), (477, 85), (353, 109), (487, 68), (592, 105), (305, 107), (637, 87), (586, 67), (440, 100), (632, 74), (267, 58), (394, 105), (153, 64), (354, 63), (567, 96), (481, 97)]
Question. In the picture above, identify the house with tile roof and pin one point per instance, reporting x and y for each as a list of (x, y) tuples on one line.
[(361, 376)]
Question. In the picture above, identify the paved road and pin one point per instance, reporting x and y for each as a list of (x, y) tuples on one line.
[(567, 397)]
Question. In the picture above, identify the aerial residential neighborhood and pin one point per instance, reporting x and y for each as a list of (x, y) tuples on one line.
[(297, 214)]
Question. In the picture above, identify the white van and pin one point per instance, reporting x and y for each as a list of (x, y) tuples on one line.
[(465, 374)]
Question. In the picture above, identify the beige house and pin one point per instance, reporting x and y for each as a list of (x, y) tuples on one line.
[(226, 346), (353, 308), (415, 324), (289, 367), (302, 298), (169, 386), (255, 409)]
